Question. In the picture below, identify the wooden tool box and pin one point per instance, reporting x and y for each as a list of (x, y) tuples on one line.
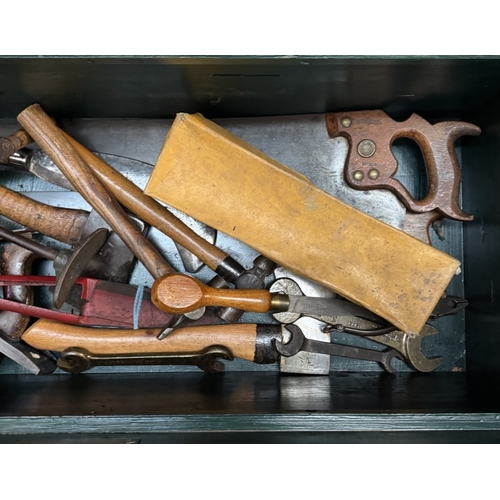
[(356, 402)]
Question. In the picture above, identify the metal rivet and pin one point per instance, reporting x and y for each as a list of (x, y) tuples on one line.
[(366, 148), (373, 174), (358, 175), (346, 122)]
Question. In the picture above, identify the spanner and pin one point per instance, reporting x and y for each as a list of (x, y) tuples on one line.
[(78, 360), (298, 342)]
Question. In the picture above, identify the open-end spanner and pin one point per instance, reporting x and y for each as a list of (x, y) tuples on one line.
[(408, 344), (298, 342), (78, 360)]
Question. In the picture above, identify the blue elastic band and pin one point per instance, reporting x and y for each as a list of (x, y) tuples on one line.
[(137, 305)]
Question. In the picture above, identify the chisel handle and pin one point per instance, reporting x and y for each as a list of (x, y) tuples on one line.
[(62, 224), (14, 142), (179, 294), (246, 341), (50, 138), (150, 211)]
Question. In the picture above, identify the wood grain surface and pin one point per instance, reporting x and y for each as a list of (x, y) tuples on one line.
[(55, 336), (179, 294), (62, 224)]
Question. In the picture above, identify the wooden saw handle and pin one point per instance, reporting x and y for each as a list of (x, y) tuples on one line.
[(62, 224), (246, 341), (50, 138), (178, 294), (372, 165)]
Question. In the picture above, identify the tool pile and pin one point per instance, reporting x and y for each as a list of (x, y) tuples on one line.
[(351, 258)]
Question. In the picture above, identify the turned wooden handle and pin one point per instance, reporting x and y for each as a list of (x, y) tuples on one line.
[(178, 294), (55, 336), (14, 142), (62, 224), (148, 209), (50, 138)]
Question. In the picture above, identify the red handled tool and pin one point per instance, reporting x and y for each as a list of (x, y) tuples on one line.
[(103, 303)]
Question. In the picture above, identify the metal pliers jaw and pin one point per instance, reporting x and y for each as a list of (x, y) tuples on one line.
[(449, 305)]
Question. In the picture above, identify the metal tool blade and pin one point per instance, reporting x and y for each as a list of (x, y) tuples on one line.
[(33, 360), (136, 171), (321, 306)]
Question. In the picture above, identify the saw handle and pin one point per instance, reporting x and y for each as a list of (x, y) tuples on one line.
[(178, 294), (371, 164)]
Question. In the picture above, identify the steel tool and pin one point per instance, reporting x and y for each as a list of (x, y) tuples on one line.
[(34, 360), (72, 226), (298, 342), (178, 294), (408, 344), (68, 265), (137, 172), (78, 360), (371, 163), (250, 342)]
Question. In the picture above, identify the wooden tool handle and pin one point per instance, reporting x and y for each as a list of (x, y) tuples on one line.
[(251, 342), (179, 294), (62, 224), (50, 138), (14, 142), (148, 209), (372, 165)]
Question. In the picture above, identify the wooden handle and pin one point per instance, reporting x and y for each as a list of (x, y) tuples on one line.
[(54, 336), (179, 294), (50, 138), (148, 209), (14, 142), (372, 165), (62, 224)]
